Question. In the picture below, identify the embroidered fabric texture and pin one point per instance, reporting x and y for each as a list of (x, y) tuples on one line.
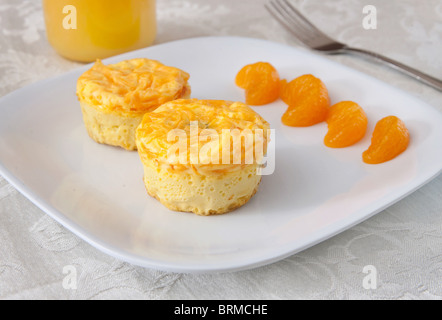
[(404, 242)]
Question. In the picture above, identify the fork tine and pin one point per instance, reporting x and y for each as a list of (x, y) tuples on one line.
[(282, 16), (297, 24), (273, 10), (300, 16)]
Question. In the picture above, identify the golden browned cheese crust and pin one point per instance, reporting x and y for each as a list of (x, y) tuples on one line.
[(153, 133), (131, 86), (115, 97), (201, 188)]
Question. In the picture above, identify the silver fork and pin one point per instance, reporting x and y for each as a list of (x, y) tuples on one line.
[(312, 37)]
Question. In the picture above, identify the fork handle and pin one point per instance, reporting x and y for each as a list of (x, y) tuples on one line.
[(433, 82)]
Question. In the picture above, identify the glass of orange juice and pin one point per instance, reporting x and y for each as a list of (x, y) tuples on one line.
[(86, 30)]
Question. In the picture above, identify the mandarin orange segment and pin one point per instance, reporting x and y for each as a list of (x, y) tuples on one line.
[(308, 101), (390, 138), (283, 90), (260, 81), (347, 124)]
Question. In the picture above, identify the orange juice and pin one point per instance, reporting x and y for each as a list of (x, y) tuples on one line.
[(86, 30)]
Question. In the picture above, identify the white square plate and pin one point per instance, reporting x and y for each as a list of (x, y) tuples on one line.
[(96, 191)]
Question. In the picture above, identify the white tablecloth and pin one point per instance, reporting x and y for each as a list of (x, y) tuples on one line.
[(403, 242)]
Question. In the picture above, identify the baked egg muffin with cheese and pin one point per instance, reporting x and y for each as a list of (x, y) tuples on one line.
[(202, 156), (114, 98)]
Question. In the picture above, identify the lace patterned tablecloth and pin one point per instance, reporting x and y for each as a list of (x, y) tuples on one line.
[(403, 242)]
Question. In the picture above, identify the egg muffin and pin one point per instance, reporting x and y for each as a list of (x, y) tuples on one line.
[(114, 98), (202, 156)]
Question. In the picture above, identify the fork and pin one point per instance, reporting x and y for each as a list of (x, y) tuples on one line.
[(286, 14)]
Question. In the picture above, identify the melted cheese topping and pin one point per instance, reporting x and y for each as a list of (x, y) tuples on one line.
[(131, 87), (206, 119)]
